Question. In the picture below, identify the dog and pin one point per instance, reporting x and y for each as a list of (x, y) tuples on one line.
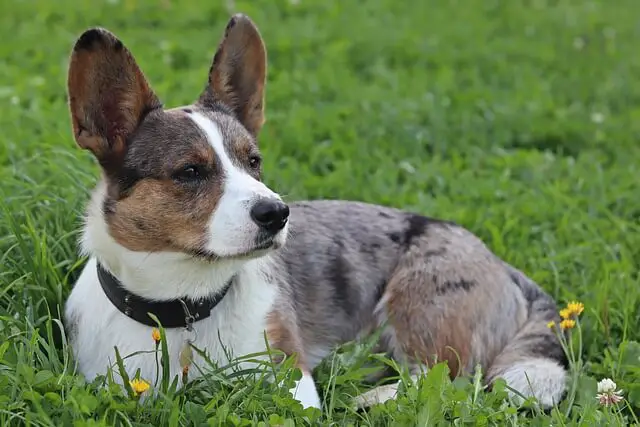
[(181, 225)]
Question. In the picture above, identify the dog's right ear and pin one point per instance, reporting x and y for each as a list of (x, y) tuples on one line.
[(108, 95), (238, 73)]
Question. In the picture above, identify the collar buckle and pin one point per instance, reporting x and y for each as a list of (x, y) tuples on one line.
[(188, 317)]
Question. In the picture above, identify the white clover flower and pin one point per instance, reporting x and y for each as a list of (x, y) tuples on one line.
[(606, 386), (607, 393)]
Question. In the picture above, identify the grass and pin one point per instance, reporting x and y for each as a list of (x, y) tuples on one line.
[(520, 120)]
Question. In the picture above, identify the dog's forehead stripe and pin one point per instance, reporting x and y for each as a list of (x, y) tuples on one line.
[(215, 138)]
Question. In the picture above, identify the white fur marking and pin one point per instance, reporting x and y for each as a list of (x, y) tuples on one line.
[(214, 137), (539, 377), (231, 229), (305, 392)]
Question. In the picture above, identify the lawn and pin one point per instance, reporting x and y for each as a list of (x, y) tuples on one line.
[(519, 120)]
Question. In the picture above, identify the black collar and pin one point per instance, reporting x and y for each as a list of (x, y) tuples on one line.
[(171, 314)]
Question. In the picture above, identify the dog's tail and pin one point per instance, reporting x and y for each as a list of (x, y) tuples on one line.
[(533, 362)]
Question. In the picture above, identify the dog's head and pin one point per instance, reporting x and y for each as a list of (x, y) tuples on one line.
[(186, 179)]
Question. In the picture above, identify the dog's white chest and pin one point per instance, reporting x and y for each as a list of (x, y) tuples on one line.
[(235, 328)]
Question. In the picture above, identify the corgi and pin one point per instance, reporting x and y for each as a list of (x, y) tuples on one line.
[(181, 225)]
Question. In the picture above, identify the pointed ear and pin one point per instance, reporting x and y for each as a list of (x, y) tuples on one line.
[(108, 95), (238, 73)]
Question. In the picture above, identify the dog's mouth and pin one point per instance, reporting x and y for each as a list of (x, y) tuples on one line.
[(259, 249)]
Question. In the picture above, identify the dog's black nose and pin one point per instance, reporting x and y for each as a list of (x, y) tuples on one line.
[(271, 215)]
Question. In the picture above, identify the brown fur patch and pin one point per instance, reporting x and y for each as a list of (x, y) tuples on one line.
[(443, 338), (161, 215)]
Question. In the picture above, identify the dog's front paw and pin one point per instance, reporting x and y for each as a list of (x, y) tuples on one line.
[(305, 392), (377, 395)]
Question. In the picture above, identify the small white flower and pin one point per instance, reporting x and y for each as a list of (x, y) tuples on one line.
[(606, 386), (607, 393)]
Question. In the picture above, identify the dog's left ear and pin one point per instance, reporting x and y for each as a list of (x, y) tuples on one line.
[(238, 73)]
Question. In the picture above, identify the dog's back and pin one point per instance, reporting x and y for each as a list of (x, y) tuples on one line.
[(352, 267)]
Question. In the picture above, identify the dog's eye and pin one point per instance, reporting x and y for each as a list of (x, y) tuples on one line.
[(190, 173), (254, 162)]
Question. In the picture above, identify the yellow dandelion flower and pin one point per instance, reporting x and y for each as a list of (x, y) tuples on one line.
[(565, 313), (567, 324), (575, 307), (155, 334), (551, 324), (139, 386)]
